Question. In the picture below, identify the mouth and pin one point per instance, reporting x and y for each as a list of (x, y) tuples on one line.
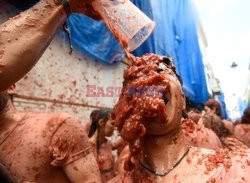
[(166, 97)]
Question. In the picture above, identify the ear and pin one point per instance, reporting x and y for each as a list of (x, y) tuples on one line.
[(101, 122), (11, 90)]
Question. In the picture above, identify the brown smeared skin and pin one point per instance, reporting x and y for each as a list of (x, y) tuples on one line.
[(161, 151), (103, 154), (122, 153), (229, 125), (199, 136), (105, 157), (228, 139), (106, 161), (120, 162), (119, 145), (242, 132), (25, 37), (45, 147)]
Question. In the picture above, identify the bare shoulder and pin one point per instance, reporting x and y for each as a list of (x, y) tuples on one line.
[(47, 117), (241, 158), (222, 165), (245, 128), (240, 166), (199, 136), (238, 128), (198, 159), (49, 123), (56, 121), (228, 124)]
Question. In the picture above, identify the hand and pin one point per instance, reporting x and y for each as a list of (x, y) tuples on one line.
[(85, 7)]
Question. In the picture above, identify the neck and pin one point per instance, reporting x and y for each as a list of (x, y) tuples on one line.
[(161, 153), (101, 137)]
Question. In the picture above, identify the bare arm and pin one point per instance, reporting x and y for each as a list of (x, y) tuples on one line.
[(83, 170), (71, 150), (24, 38)]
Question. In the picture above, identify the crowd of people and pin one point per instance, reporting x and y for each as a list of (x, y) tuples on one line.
[(159, 140)]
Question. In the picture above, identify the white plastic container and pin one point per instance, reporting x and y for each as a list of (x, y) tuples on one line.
[(130, 26)]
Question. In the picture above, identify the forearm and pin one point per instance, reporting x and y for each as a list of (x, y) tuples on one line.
[(88, 170), (24, 38)]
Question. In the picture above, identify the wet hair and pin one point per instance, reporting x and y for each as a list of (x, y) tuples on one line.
[(215, 123), (95, 116), (246, 116), (212, 103)]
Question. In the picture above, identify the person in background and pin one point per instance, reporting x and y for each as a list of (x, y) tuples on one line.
[(213, 113), (227, 138), (242, 130), (197, 135), (213, 108), (102, 127), (212, 120)]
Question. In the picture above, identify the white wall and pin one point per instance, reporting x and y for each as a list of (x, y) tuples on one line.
[(59, 81)]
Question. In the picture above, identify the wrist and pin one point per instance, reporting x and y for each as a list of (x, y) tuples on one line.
[(54, 11), (66, 5)]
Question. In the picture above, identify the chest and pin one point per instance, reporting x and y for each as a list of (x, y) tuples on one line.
[(105, 157)]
